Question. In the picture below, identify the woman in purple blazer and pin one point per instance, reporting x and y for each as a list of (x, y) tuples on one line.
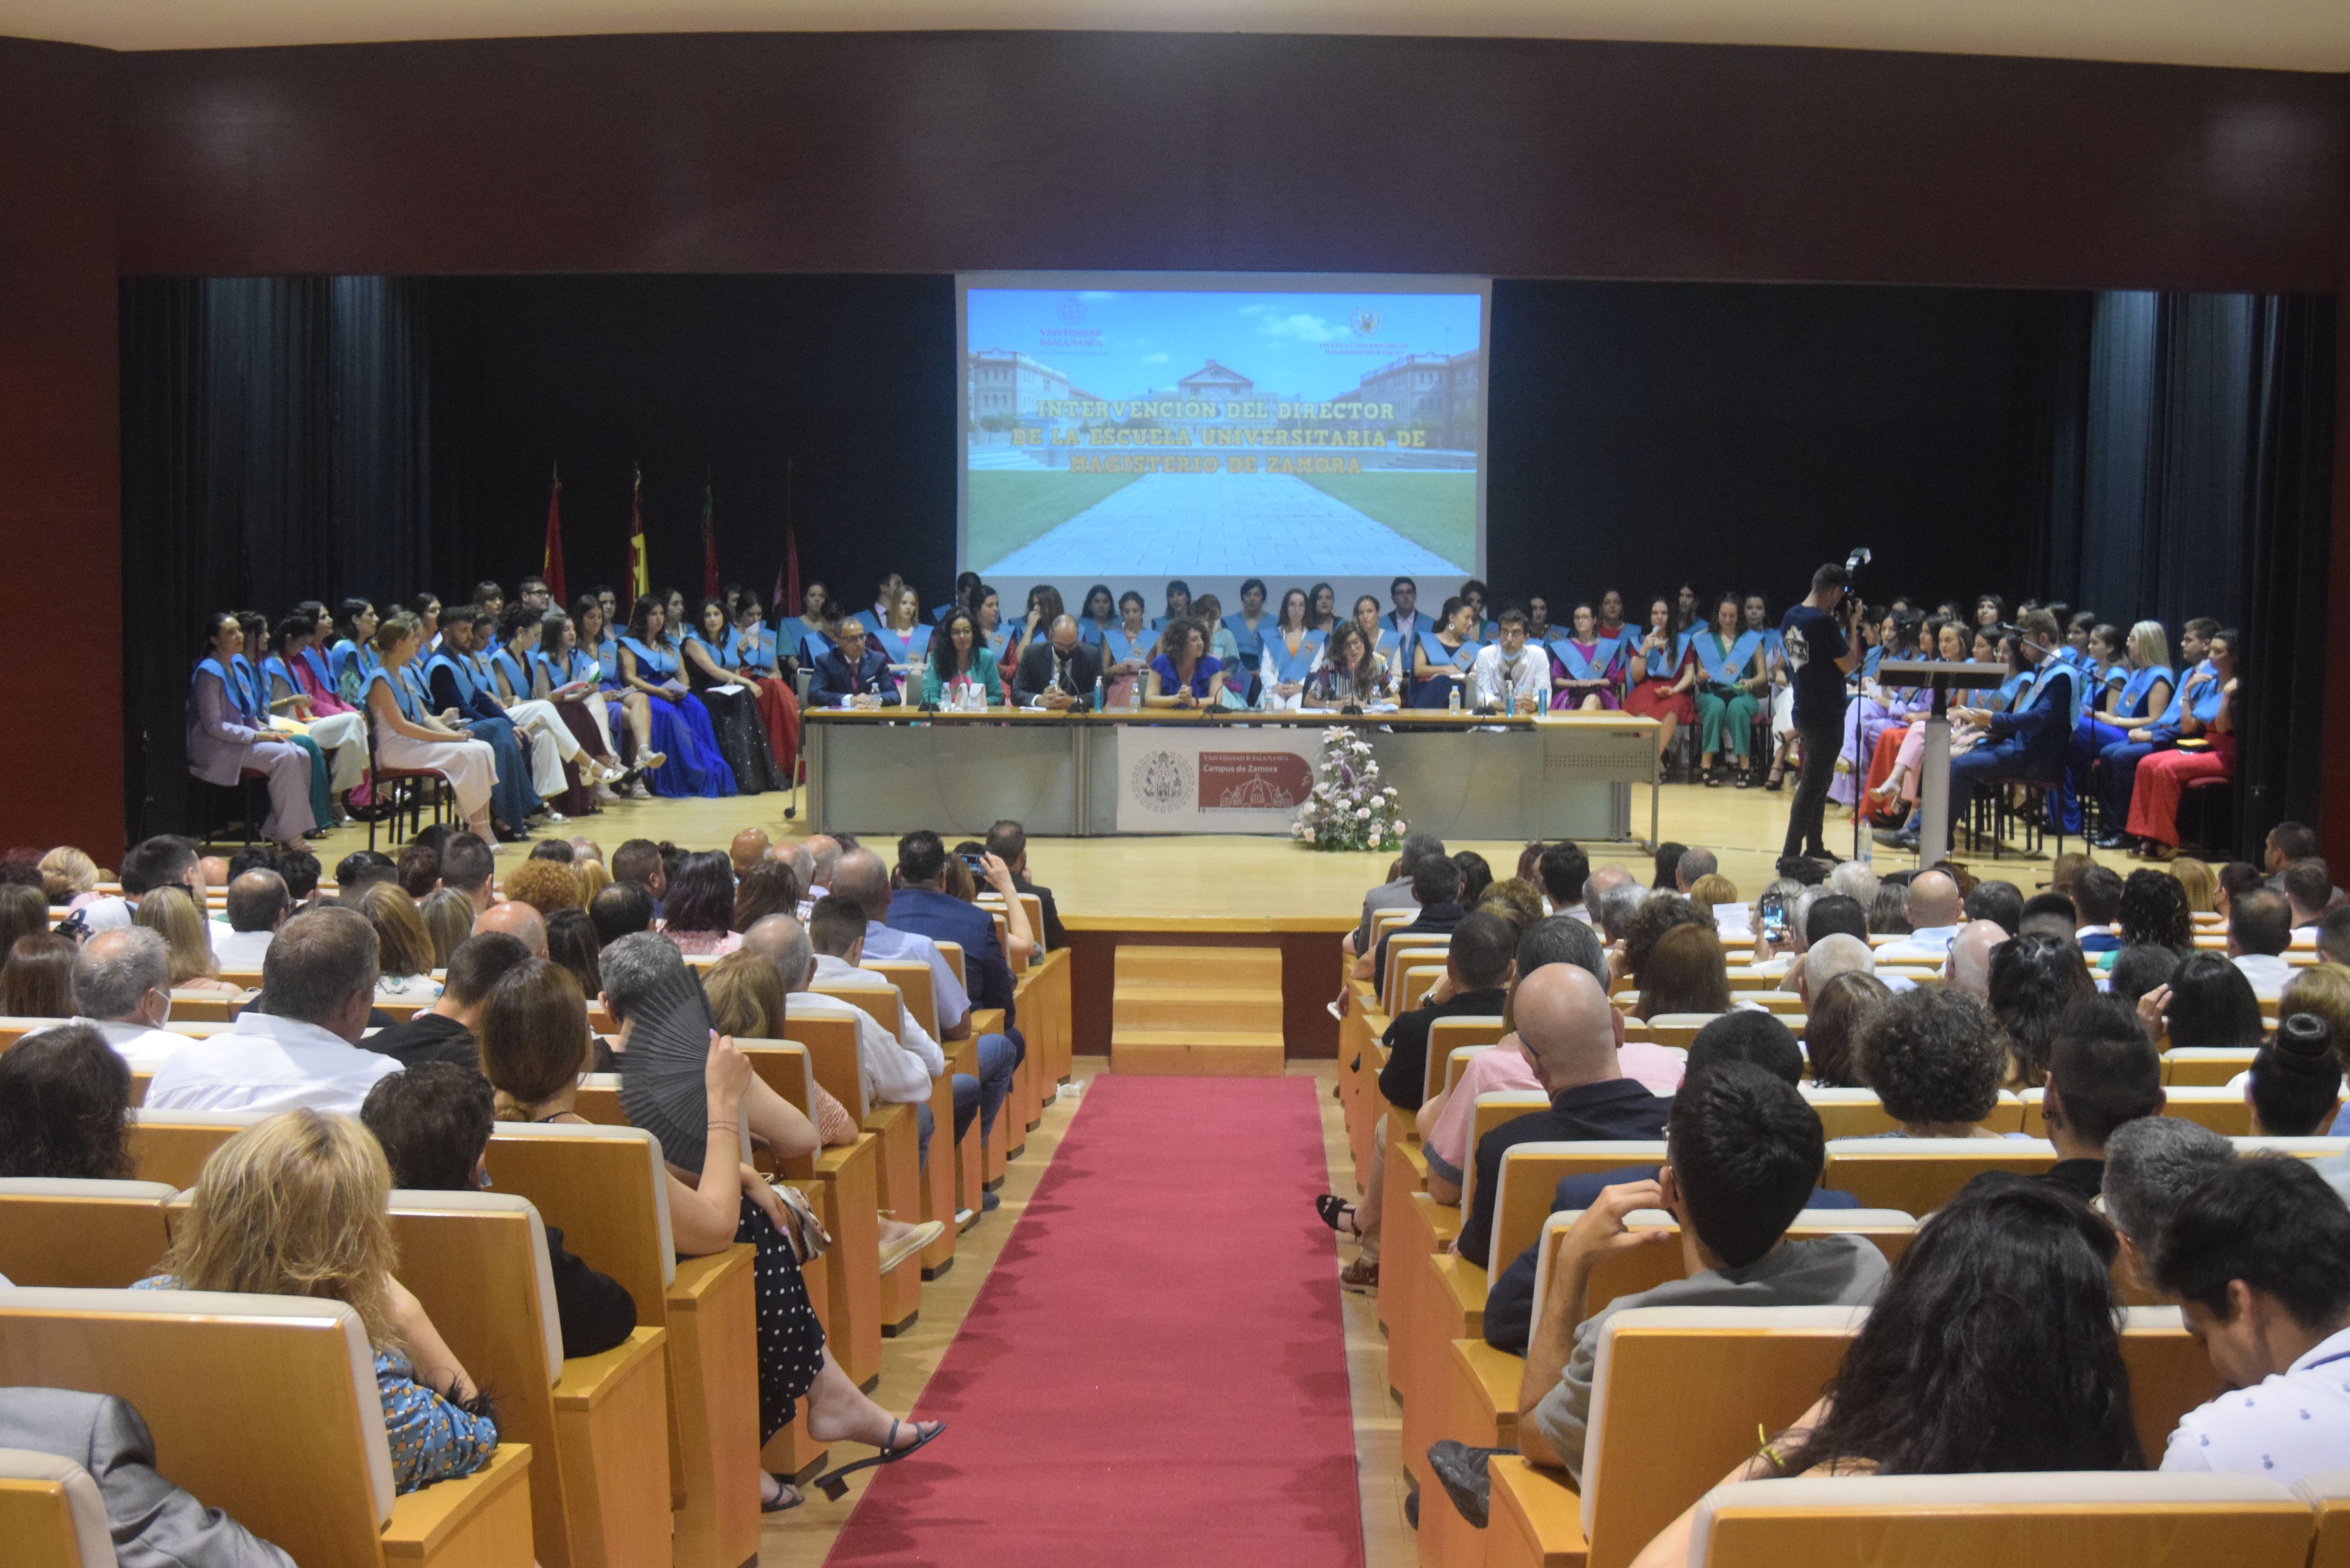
[(225, 741)]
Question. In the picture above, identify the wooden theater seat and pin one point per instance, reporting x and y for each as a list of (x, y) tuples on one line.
[(2216, 1106), (266, 1408), (603, 1187), (2091, 1519), (2328, 1492), (1446, 1035), (51, 1514), (1405, 949), (599, 1424), (1919, 1175), (81, 1234), (1678, 1396), (2205, 1065), (170, 1147), (947, 1153), (209, 1006), (898, 1174), (1858, 1113)]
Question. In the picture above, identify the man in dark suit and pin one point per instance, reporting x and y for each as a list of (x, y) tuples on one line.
[(921, 905), (854, 674), (2029, 741), (1057, 671), (154, 1523), (1008, 841)]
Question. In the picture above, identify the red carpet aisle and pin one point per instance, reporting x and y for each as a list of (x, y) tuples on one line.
[(1156, 1371)]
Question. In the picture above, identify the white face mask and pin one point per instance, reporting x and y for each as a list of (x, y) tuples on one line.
[(167, 1011)]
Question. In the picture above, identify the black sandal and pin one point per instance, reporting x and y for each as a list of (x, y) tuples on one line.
[(791, 1497), (1331, 1207), (835, 1485)]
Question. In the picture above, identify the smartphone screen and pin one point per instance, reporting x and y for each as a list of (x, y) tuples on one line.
[(1774, 918)]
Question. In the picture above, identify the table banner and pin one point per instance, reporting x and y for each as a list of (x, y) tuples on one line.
[(1181, 779)]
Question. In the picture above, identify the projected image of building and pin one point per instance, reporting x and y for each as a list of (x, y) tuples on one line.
[(1009, 385), (1438, 392)]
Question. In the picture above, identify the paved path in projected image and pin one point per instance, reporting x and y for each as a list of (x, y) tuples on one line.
[(1222, 525)]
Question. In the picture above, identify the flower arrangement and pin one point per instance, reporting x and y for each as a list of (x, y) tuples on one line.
[(1349, 808)]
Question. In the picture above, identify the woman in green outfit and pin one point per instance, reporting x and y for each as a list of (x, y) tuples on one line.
[(1728, 660), (960, 664)]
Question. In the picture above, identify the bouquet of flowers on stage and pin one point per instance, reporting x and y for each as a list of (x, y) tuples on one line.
[(1349, 808)]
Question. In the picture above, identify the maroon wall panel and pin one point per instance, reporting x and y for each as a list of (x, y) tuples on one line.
[(60, 515), (942, 152)]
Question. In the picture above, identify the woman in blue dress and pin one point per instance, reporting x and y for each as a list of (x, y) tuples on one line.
[(732, 703), (1440, 663), (680, 724), (595, 659), (1099, 615), (1184, 674)]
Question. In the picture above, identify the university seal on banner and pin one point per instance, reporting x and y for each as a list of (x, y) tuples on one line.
[(1158, 782)]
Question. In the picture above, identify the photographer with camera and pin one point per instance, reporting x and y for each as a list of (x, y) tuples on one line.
[(1821, 651)]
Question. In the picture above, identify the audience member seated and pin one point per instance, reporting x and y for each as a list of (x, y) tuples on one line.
[(1008, 841), (1564, 870), (448, 1030), (2140, 970), (2153, 910), (1830, 958), (1840, 1012), (2334, 935), (317, 985), (257, 905), (768, 888), (1436, 889), (65, 1103), (2000, 902), (358, 871), (1935, 911), (699, 910), (1889, 913), (420, 869), (467, 865), (403, 946), (1743, 1153), (299, 1206), (533, 1043), (746, 1001), (175, 912), (37, 979), (850, 674), (433, 1122), (895, 1070), (1967, 967), (1685, 973), (2032, 978), (2151, 1164), (622, 910), (1936, 1058), (1395, 893), (2308, 888), (516, 919), (2102, 1075), (2036, 1384), (2260, 928), (1658, 913), (2258, 1257), (122, 988), (2295, 1084), (2097, 905), (2209, 1005), (2049, 914), (546, 884), (1566, 1024)]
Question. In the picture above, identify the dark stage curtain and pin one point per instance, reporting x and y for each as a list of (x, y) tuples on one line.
[(276, 446)]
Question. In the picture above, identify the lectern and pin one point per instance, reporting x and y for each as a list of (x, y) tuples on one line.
[(1934, 766)]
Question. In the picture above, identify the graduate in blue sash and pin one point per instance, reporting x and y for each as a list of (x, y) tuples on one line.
[(821, 636), (456, 683), (1291, 648), (1381, 639), (989, 614), (2028, 741), (1590, 669), (591, 657), (2199, 695), (254, 696), (1441, 662), (1179, 605), (355, 624), (905, 642), (1095, 620), (1473, 595), (1661, 677), (1044, 607), (751, 654), (2132, 693), (680, 724), (1540, 630), (1729, 659), (337, 731), (792, 632), (1321, 607), (753, 644), (1126, 650), (1247, 628), (733, 704), (224, 740), (411, 737), (1774, 695)]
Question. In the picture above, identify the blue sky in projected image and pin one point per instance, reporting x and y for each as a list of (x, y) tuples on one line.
[(1122, 343)]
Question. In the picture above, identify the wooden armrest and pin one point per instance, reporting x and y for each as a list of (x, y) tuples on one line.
[(986, 1020), (586, 1379), (1542, 1513), (697, 1277), (426, 1524)]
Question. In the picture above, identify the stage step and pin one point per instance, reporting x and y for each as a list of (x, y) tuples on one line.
[(1197, 1011)]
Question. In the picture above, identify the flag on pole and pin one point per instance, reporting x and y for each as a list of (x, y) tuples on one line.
[(640, 580), (551, 568), (708, 541)]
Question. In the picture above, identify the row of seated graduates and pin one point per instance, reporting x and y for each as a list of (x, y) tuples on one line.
[(1453, 1385), (577, 1478)]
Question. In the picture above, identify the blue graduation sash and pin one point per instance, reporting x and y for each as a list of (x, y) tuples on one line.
[(1387, 643), (1605, 650), (317, 663), (402, 698), (2210, 698), (275, 673), (1000, 645), (1580, 667), (2131, 703), (1288, 665), (1682, 642), (517, 679), (761, 656), (1091, 632), (872, 621), (1248, 644), (244, 685), (1870, 660), (457, 668), (652, 668), (1723, 670), (212, 667), (1439, 655), (903, 648), (2037, 682), (1124, 649)]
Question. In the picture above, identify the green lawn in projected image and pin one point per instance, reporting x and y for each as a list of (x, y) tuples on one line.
[(1437, 511), (1010, 508)]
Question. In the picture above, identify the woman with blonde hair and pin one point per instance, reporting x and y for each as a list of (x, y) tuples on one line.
[(746, 1001), (2197, 878), (299, 1206), (404, 946), (172, 911), (594, 878), (67, 874), (449, 917)]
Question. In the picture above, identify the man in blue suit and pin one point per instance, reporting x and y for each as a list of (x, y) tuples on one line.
[(854, 674), (2031, 739)]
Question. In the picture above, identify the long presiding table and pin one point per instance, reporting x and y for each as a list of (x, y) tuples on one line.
[(1161, 771)]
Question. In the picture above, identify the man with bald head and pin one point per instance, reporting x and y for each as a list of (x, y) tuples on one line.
[(823, 853), (1967, 967), (1935, 909), (1828, 958), (1567, 1027), (516, 919), (750, 848), (1059, 672), (257, 905)]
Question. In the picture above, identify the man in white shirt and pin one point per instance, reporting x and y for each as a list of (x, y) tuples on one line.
[(896, 1070), (257, 905), (1935, 911), (2259, 924), (1510, 674), (318, 983), (122, 988), (2259, 1256)]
